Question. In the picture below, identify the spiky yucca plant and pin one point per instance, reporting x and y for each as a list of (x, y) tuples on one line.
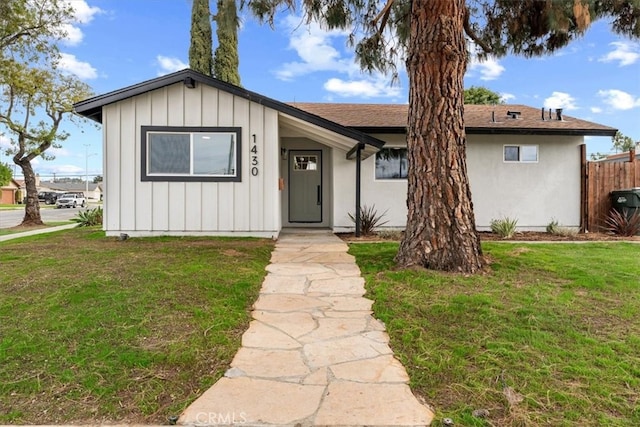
[(369, 219), (89, 217), (505, 227), (624, 224)]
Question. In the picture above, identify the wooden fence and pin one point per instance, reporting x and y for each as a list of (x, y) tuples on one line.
[(599, 179)]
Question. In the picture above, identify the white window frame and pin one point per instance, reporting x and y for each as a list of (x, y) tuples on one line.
[(520, 147), (191, 176)]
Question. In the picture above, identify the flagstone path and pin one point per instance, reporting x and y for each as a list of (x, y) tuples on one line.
[(314, 354)]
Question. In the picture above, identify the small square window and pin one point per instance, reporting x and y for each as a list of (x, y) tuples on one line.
[(391, 163), (529, 153), (521, 153), (511, 153)]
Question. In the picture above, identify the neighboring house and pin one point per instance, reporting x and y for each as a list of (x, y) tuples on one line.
[(621, 157), (188, 154), (11, 193), (95, 190)]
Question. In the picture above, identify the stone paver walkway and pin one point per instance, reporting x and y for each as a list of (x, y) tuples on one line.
[(313, 355)]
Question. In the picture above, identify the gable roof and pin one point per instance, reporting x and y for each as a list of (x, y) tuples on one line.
[(13, 184), (392, 118), (92, 107), (68, 186)]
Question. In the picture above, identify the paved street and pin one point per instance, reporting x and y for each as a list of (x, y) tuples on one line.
[(11, 218)]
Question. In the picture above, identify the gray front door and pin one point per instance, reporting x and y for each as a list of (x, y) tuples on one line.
[(305, 186)]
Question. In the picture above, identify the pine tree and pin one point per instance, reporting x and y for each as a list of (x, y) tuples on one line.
[(226, 62), (200, 50), (432, 36)]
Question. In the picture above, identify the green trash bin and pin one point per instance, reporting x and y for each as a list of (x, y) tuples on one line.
[(626, 201)]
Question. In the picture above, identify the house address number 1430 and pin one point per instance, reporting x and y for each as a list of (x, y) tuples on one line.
[(254, 158)]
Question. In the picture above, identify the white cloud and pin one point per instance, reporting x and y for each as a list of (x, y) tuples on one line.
[(74, 35), (60, 169), (313, 45), (83, 70), (596, 110), (625, 53), (365, 88), (619, 100), (5, 144), (318, 51), (82, 14), (507, 97), (489, 69), (169, 65), (561, 100)]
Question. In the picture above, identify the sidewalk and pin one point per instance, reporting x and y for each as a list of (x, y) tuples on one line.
[(313, 355), (36, 231)]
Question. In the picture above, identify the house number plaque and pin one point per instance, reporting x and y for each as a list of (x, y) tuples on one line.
[(254, 158)]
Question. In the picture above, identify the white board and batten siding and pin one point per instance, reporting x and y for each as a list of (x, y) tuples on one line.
[(247, 208)]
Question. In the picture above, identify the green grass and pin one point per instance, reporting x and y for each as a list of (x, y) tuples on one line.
[(558, 324), (94, 330)]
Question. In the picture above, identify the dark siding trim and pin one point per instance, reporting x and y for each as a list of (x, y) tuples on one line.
[(189, 178), (92, 107)]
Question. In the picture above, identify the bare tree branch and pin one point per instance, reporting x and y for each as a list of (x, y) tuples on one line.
[(472, 35)]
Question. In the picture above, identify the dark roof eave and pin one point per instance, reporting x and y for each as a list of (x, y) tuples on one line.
[(539, 131), (92, 107), (498, 131), (381, 129)]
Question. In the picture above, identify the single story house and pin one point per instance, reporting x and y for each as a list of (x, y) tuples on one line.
[(627, 156), (186, 154), (11, 193), (92, 191)]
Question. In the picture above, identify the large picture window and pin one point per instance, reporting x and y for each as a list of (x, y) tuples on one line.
[(391, 163), (521, 153), (190, 154)]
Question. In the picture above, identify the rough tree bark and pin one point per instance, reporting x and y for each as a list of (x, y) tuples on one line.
[(440, 231), (32, 207)]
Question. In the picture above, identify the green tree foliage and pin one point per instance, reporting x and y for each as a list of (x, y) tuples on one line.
[(35, 96), (28, 27), (481, 95), (200, 50), (622, 143), (226, 62), (5, 174), (440, 230)]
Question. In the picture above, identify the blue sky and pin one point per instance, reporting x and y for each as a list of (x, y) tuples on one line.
[(116, 43)]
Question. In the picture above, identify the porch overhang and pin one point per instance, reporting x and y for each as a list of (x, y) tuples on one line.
[(340, 138)]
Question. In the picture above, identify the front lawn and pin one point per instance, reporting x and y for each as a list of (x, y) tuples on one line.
[(549, 336), (94, 330)]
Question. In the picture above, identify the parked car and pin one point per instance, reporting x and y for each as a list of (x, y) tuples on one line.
[(48, 197), (71, 200)]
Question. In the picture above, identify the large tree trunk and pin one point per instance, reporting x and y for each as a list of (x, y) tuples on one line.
[(440, 231), (32, 208)]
